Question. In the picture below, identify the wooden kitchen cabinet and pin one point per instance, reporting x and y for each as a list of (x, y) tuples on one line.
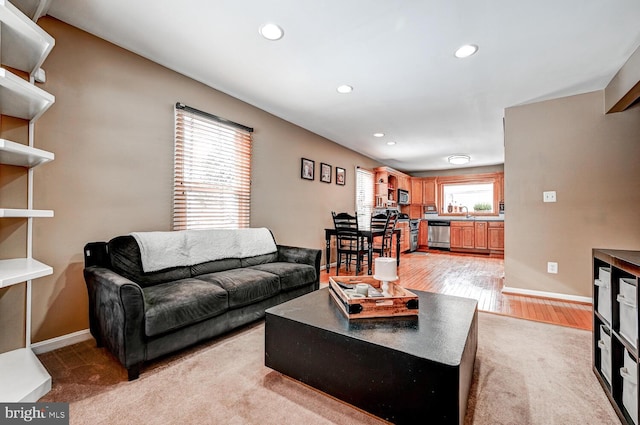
[(429, 191), (501, 187), (468, 237), (455, 237), (415, 211), (495, 235), (423, 233), (416, 191), (388, 181), (386, 189), (480, 235), (404, 183), (423, 190), (462, 235), (405, 237)]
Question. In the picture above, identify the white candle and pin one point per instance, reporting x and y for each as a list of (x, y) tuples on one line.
[(386, 269)]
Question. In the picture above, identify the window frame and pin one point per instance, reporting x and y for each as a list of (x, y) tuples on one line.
[(204, 143), (485, 178)]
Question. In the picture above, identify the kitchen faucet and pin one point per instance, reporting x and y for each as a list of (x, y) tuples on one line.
[(465, 207)]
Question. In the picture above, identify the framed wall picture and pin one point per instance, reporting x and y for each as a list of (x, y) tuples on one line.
[(307, 169), (340, 176), (325, 173)]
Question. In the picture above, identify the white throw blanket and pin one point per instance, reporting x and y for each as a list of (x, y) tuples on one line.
[(161, 250)]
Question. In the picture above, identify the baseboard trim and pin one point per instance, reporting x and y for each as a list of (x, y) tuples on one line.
[(543, 294), (61, 341), (330, 265)]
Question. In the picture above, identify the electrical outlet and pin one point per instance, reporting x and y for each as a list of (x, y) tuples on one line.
[(552, 267), (549, 196)]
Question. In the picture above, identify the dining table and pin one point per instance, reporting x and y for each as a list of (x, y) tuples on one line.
[(369, 235)]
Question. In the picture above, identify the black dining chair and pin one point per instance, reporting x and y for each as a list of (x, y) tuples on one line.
[(378, 224), (349, 244), (387, 224)]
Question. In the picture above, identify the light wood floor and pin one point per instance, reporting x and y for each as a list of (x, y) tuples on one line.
[(480, 277)]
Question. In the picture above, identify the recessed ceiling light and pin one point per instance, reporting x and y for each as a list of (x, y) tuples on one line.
[(271, 32), (345, 89), (391, 143), (459, 159), (378, 134), (466, 51)]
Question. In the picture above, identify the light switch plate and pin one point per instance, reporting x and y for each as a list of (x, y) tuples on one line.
[(549, 196), (552, 267)]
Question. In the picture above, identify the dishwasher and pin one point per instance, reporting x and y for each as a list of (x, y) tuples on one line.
[(439, 234)]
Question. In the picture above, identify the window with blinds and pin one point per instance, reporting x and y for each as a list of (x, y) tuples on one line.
[(364, 194), (212, 172)]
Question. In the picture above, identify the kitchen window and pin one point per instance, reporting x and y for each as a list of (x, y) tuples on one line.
[(477, 194), (212, 171)]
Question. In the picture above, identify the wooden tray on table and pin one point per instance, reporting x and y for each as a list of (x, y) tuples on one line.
[(397, 302)]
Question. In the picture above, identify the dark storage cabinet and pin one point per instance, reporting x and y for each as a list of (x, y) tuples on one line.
[(615, 328)]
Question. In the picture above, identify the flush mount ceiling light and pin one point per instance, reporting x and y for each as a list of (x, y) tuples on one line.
[(391, 143), (459, 159), (345, 89), (466, 51), (378, 134), (271, 32)]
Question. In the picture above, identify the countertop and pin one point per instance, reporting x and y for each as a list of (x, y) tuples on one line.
[(434, 217)]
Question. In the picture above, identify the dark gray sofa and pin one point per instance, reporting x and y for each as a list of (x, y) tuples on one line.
[(141, 315)]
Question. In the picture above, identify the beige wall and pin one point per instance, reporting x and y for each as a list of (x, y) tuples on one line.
[(111, 130), (591, 160)]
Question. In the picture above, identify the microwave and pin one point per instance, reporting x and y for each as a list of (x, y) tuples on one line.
[(403, 197)]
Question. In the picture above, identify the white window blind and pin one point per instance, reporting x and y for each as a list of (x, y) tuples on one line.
[(212, 172), (364, 194)]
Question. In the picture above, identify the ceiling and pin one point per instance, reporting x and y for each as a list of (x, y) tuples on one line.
[(398, 56)]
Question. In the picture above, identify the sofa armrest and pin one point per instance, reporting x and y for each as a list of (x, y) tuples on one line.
[(116, 314), (291, 254)]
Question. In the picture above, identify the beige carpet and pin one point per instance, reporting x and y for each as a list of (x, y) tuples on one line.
[(525, 373)]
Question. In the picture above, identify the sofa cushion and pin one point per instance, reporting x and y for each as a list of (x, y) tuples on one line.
[(259, 259), (292, 275), (173, 305), (215, 266), (125, 260), (245, 286)]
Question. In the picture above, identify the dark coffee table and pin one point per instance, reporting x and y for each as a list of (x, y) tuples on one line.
[(402, 369)]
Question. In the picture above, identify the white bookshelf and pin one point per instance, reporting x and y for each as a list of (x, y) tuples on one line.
[(21, 99), (23, 377), (18, 270), (23, 46), (24, 213), (12, 153), (34, 9)]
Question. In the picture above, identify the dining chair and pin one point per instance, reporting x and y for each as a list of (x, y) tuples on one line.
[(386, 223), (349, 243), (378, 224)]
